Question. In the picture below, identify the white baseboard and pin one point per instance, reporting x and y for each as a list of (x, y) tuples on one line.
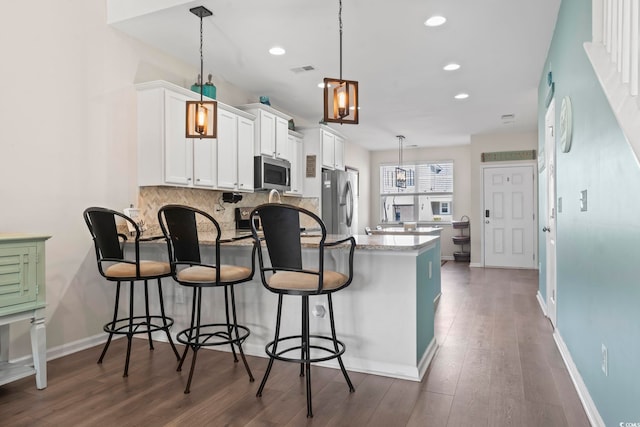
[(428, 356), (543, 305), (475, 265), (69, 348), (583, 393)]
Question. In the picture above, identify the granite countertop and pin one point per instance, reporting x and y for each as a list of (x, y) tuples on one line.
[(311, 240), (401, 230)]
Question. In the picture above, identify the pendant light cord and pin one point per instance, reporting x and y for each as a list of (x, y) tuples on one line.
[(340, 26), (201, 63)]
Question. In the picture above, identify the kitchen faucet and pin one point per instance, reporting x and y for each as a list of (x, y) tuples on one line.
[(274, 196)]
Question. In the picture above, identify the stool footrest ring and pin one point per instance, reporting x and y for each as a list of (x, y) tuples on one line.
[(213, 334), (139, 325), (331, 352)]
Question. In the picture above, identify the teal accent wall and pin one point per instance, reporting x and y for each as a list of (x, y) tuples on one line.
[(598, 251), (426, 290)]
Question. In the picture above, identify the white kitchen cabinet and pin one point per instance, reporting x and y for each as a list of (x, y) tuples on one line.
[(235, 151), (245, 153), (332, 149), (326, 146), (271, 131), (297, 163), (167, 157), (338, 153)]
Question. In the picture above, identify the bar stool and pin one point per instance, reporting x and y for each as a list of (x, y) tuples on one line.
[(282, 272), (113, 266), (180, 225)]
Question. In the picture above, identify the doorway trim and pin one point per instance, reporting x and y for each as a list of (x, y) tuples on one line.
[(534, 165)]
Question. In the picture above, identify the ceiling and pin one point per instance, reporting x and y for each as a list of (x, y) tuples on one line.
[(501, 46)]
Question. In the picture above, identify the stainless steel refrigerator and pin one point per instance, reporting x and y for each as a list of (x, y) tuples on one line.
[(340, 201)]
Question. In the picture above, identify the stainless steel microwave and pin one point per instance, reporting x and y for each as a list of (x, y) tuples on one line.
[(271, 174)]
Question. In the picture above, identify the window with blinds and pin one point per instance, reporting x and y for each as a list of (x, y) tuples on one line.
[(426, 195), (421, 178)]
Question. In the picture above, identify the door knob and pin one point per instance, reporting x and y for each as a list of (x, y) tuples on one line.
[(546, 229), (486, 222)]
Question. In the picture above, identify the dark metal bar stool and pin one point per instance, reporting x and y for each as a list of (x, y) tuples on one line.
[(180, 226), (113, 266), (283, 273)]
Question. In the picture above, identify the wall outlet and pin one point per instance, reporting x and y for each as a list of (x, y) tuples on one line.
[(605, 361), (319, 310), (179, 295)]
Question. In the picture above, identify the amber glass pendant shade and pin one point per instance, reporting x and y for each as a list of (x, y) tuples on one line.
[(340, 101), (201, 119)]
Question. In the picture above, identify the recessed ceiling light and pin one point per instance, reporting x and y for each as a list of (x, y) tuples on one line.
[(277, 50), (435, 21), (461, 95), (451, 67)]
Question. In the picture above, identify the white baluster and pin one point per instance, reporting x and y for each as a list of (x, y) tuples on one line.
[(613, 48), (635, 34), (625, 43)]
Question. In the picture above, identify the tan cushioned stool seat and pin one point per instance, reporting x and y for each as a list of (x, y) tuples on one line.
[(305, 281), (201, 274), (147, 269)]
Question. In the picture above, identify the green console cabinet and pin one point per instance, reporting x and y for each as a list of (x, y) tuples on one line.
[(22, 297)]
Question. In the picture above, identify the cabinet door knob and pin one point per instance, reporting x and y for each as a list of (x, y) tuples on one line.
[(198, 180), (188, 179)]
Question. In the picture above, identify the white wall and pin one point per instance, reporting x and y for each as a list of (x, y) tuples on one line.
[(68, 141)]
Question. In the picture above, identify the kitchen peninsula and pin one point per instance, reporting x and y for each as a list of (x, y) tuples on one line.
[(385, 317)]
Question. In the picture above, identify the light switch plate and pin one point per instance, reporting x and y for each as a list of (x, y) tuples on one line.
[(583, 200)]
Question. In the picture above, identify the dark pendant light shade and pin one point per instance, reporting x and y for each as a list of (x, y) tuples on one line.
[(340, 101), (201, 119)]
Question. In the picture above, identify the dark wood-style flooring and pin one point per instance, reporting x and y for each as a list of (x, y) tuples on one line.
[(497, 365)]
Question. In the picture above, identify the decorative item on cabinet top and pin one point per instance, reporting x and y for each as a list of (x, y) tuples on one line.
[(209, 89)]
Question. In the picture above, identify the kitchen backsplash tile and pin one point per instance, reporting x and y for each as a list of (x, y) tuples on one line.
[(151, 199)]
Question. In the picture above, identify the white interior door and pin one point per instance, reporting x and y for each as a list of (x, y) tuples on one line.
[(550, 228), (509, 217)]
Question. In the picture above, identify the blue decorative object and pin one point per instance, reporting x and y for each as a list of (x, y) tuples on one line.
[(264, 100), (208, 89)]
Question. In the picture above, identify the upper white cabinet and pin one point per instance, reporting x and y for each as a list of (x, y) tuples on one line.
[(167, 157), (296, 148), (271, 131), (331, 145), (338, 153), (235, 150)]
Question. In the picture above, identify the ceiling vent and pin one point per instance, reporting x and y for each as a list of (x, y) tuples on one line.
[(508, 118), (303, 69)]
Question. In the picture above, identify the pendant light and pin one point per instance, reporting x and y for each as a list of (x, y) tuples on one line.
[(340, 96), (201, 115), (401, 174)]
